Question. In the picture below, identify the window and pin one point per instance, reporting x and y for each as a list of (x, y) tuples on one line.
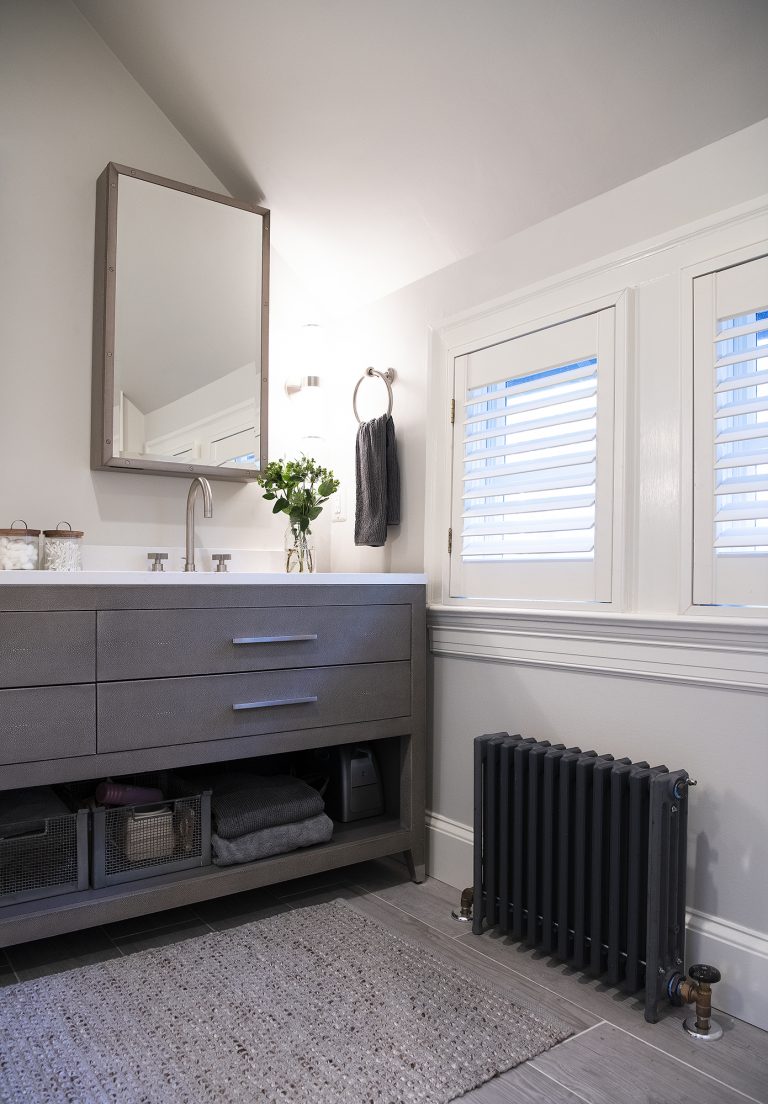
[(533, 465), (731, 436)]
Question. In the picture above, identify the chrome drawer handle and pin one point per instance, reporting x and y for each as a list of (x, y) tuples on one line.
[(275, 701), (272, 639)]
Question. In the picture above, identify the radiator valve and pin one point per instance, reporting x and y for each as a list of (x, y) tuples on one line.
[(464, 915), (697, 987)]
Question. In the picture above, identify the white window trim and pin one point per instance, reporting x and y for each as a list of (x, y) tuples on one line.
[(695, 246)]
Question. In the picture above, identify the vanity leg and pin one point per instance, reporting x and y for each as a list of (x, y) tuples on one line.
[(416, 870)]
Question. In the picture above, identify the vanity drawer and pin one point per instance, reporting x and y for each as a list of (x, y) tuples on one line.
[(138, 644), (47, 722), (46, 649), (165, 712)]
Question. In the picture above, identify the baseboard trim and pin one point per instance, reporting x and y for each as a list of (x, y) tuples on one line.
[(449, 850), (741, 955), (739, 952)]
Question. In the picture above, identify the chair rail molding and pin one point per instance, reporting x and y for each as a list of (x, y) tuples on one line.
[(687, 651)]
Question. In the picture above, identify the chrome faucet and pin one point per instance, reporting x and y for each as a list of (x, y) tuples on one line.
[(199, 483)]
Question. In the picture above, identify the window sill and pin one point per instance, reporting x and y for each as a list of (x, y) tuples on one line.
[(684, 650)]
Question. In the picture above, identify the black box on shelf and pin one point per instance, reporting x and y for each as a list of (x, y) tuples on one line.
[(355, 791)]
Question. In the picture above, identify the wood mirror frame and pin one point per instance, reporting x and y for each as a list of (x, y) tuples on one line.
[(104, 456)]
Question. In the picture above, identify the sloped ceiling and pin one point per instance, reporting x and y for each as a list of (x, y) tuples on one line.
[(392, 137)]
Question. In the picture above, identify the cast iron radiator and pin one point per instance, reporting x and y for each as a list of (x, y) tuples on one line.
[(583, 856)]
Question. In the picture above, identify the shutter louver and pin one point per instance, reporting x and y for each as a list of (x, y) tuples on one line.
[(530, 461)]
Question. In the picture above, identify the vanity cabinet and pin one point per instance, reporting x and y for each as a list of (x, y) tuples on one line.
[(100, 681)]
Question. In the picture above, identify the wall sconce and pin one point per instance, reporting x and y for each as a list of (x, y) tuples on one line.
[(305, 395), (293, 386), (307, 414), (309, 351)]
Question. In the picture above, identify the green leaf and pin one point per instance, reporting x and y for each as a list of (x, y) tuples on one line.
[(300, 487)]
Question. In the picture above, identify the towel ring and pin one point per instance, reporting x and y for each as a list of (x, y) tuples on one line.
[(387, 377)]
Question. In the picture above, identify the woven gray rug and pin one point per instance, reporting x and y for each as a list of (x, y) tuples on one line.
[(321, 1005)]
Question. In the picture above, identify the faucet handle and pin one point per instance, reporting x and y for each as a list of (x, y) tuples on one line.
[(221, 560), (157, 560)]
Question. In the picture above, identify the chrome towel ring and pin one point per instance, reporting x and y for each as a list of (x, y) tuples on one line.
[(387, 377)]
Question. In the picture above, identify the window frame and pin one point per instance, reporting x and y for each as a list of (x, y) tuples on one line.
[(582, 582), (490, 327), (697, 564), (653, 563)]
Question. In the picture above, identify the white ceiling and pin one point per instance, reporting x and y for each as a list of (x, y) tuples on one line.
[(392, 137)]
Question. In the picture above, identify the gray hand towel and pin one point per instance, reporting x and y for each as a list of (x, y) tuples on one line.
[(377, 473)]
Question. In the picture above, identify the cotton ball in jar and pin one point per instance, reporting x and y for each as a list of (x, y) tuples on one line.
[(17, 555)]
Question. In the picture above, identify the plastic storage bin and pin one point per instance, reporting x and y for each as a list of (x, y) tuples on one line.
[(43, 858), (141, 841)]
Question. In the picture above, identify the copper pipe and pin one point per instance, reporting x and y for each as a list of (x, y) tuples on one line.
[(697, 988), (703, 1006)]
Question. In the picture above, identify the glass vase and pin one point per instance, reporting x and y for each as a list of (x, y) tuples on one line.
[(299, 550)]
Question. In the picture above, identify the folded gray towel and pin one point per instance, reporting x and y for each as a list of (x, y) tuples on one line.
[(377, 475), (271, 841), (248, 802)]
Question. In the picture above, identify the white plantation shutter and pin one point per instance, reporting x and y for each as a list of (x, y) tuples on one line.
[(731, 436), (532, 477)]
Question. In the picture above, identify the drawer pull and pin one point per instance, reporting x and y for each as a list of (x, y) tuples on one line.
[(275, 701), (272, 639)]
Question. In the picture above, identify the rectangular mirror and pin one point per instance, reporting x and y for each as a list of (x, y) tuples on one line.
[(180, 344)]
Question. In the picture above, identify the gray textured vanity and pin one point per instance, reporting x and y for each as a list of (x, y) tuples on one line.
[(105, 679)]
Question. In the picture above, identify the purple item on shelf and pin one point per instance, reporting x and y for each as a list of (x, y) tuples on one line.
[(118, 793)]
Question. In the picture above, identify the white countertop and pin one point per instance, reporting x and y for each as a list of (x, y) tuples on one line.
[(195, 578)]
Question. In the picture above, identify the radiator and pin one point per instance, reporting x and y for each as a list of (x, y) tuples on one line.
[(583, 856)]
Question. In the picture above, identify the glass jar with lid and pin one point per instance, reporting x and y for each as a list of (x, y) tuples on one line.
[(19, 548), (62, 548)]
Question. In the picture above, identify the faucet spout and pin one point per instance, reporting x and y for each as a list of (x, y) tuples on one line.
[(199, 483)]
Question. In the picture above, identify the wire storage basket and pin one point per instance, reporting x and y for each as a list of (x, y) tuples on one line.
[(43, 858), (130, 842)]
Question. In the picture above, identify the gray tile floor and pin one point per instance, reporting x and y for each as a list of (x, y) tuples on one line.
[(613, 1057)]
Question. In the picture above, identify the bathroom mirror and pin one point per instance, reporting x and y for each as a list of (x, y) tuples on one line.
[(180, 329)]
